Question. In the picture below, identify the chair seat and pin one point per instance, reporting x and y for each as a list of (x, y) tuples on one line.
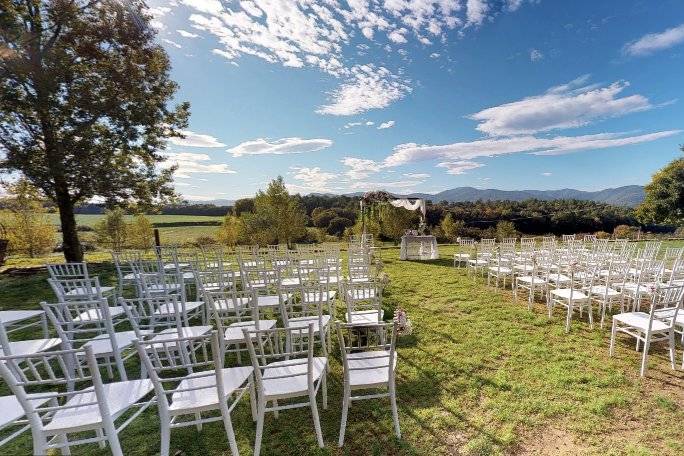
[(206, 398), (639, 288), (129, 276), (9, 317), (162, 289), (478, 262), (559, 278), (462, 256), (86, 292), (233, 332), (523, 267), (365, 317), (368, 370), (602, 290), (174, 266), (119, 396), (294, 386), (289, 282), (227, 305), (530, 279), (500, 270), (31, 347), (268, 301), (102, 344), (94, 314), (303, 322), (186, 331), (168, 309), (564, 293), (11, 410), (639, 320)]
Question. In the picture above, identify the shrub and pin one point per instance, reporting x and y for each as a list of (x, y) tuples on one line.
[(141, 233), (602, 235), (625, 232), (230, 231), (451, 228), (505, 229), (111, 230), (29, 231)]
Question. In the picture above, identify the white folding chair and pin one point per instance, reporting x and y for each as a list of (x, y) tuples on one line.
[(369, 361), (656, 325), (189, 390), (364, 302), (59, 271), (286, 369), (79, 289), (25, 347), (88, 323), (88, 415)]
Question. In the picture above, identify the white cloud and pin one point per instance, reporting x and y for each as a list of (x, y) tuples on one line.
[(397, 36), (384, 125), (416, 175), (157, 13), (193, 139), (559, 108), (435, 55), (370, 87), (312, 180), (186, 34), (547, 174), (654, 42), (408, 153), (402, 185), (199, 198), (171, 43), (513, 5), (459, 167), (282, 146), (190, 163), (205, 6), (536, 55), (476, 11), (360, 168), (369, 123)]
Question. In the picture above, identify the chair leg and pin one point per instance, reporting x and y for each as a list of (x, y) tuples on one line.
[(672, 350), (252, 399), (66, 451), (324, 387), (644, 359), (613, 331), (112, 438), (260, 426), (228, 425), (165, 436), (198, 417), (102, 444), (395, 412), (316, 420), (345, 409)]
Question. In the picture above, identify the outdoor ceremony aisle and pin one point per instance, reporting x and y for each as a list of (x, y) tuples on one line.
[(480, 374)]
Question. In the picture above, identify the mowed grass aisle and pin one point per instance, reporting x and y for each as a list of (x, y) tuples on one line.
[(479, 375)]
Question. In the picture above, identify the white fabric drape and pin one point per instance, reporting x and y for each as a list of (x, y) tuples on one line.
[(408, 204)]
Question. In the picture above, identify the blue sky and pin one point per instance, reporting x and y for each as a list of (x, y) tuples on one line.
[(420, 96)]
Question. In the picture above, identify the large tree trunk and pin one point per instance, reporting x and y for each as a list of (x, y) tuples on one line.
[(70, 242)]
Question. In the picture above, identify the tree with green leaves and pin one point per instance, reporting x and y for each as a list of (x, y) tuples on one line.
[(451, 228), (505, 229), (140, 233), (230, 230), (277, 217), (664, 202), (112, 229), (84, 104), (29, 230), (394, 221)]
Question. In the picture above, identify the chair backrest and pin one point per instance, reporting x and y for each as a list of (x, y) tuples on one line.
[(210, 280), (290, 347), (363, 296), (149, 315), (666, 304), (68, 270), (54, 375), (76, 289), (168, 363), (377, 342), (77, 322), (314, 301), (232, 306)]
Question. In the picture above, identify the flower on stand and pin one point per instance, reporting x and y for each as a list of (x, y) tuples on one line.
[(403, 323)]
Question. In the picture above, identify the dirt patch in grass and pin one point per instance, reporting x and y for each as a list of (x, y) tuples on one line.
[(555, 441)]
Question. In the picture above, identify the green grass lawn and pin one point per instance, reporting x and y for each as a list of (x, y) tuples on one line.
[(479, 375), (92, 219)]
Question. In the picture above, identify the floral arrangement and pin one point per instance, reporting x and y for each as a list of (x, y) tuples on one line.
[(404, 326)]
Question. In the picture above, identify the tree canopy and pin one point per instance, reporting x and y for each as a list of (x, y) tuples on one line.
[(84, 104), (664, 202)]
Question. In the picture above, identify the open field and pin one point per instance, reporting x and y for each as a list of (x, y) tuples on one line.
[(479, 375), (92, 219)]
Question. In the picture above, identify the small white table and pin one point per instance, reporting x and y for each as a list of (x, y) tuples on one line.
[(418, 248), (11, 320)]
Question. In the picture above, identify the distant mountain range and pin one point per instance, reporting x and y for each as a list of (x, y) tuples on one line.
[(629, 195)]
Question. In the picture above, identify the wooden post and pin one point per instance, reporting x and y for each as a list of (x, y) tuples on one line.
[(157, 242)]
